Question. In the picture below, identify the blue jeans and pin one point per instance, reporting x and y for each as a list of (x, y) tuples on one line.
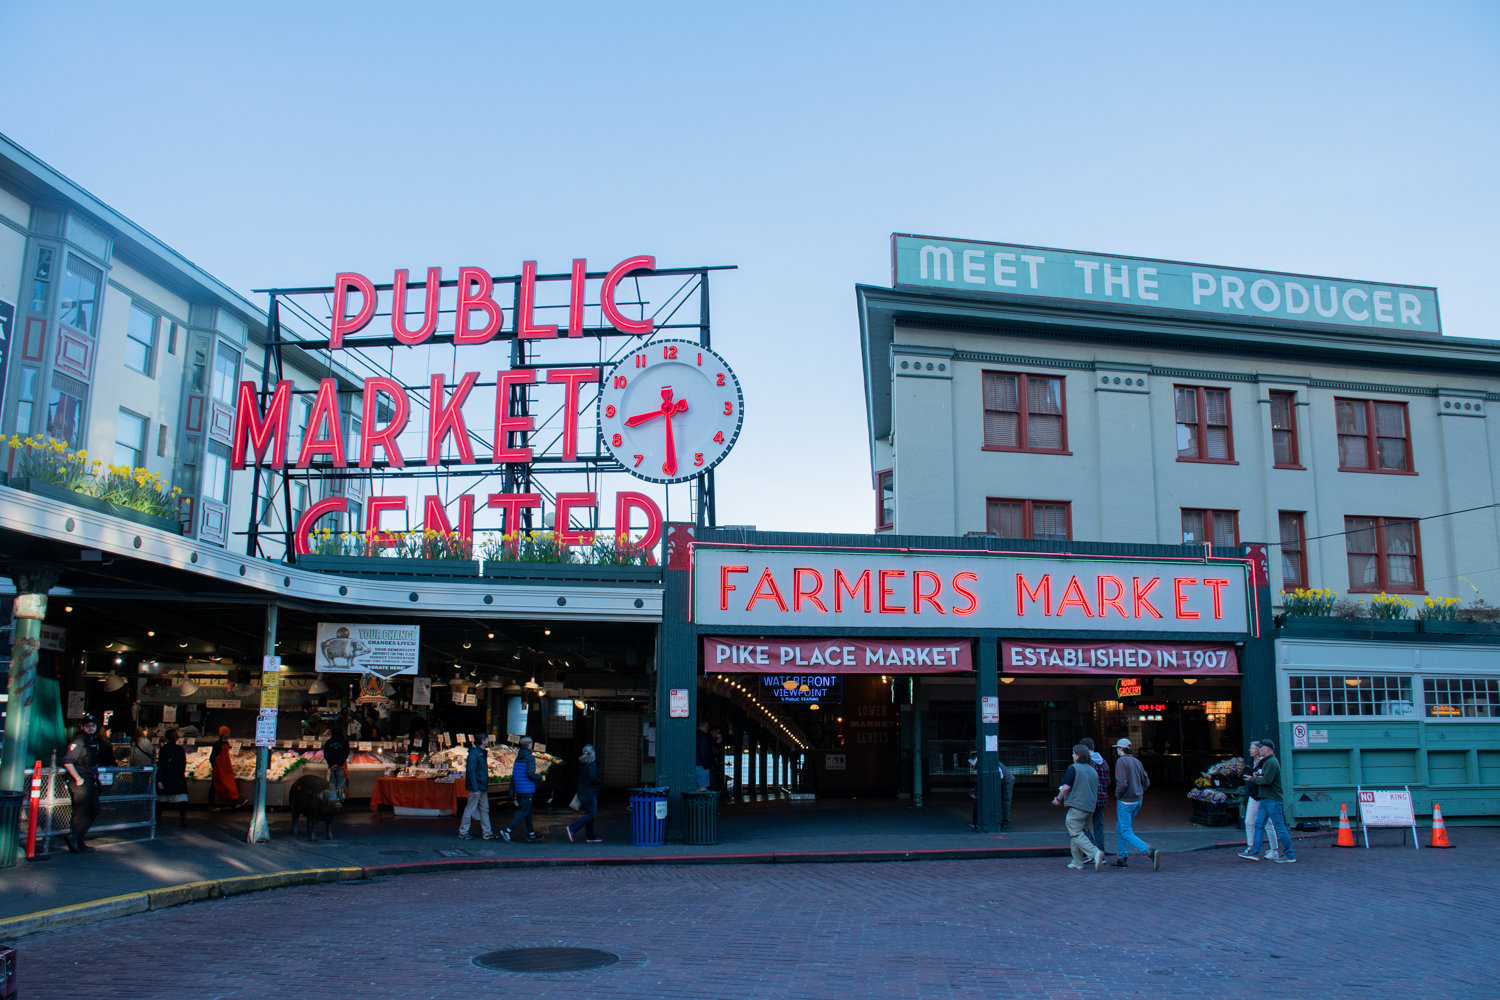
[(523, 814), (1124, 817), (1273, 813), (590, 806), (701, 771)]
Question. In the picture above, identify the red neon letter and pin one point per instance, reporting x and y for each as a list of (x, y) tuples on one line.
[(325, 408), (625, 500), (767, 583), (810, 596), (841, 587), (435, 518), (1218, 598), (511, 505), (617, 319), (1177, 584), (342, 323), (270, 430), (429, 307), (1140, 596), (443, 420), (505, 424), (570, 379), (1073, 598), (1105, 601), (575, 297), (480, 300), (725, 586), (375, 539), (384, 437), (886, 608), (966, 592), (310, 516), (918, 597), (1024, 593), (525, 328), (565, 533)]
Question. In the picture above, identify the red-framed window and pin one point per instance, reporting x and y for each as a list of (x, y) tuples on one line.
[(885, 500), (1284, 451), (1217, 527), (1385, 555), (1025, 413), (1293, 549), (1051, 520), (1374, 436), (1204, 433)]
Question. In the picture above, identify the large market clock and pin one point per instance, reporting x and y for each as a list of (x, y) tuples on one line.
[(670, 410)]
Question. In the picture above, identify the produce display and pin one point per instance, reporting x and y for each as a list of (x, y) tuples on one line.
[(501, 759), (1225, 772)]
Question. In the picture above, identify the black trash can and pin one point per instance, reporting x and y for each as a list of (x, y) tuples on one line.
[(10, 827), (702, 818)]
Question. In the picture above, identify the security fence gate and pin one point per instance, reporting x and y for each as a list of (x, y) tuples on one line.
[(127, 806)]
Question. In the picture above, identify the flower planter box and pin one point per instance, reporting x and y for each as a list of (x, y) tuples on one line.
[(391, 566), (1460, 628), (572, 573), (53, 492), (1370, 626)]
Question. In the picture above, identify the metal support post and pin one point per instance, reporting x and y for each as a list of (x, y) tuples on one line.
[(270, 690), (917, 752), (988, 788), (32, 584)]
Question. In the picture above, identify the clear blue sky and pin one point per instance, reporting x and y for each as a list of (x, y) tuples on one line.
[(278, 143)]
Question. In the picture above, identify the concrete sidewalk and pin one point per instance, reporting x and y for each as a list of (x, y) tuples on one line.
[(778, 831)]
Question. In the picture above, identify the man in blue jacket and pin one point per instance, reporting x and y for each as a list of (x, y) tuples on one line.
[(477, 784), (523, 784)]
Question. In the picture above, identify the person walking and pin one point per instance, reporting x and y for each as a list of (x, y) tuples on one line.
[(171, 775), (1101, 768), (523, 785), (589, 786), (336, 756), (142, 753), (703, 759), (1131, 783), (477, 784), (1007, 779), (1080, 793), (1271, 812), (221, 763), (1252, 806), (81, 761)]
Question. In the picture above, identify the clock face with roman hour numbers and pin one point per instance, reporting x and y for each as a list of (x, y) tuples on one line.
[(670, 410)]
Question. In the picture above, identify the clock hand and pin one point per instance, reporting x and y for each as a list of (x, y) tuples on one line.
[(670, 467), (641, 418), (666, 408)]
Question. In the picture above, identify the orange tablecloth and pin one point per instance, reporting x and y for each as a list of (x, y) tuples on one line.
[(415, 793)]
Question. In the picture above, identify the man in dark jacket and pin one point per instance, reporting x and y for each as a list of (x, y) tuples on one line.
[(82, 764), (703, 759), (523, 784), (589, 785), (477, 784), (336, 755), (1101, 768), (1079, 792), (1267, 779)]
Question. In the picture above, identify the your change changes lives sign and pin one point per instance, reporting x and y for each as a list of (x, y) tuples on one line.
[(383, 650)]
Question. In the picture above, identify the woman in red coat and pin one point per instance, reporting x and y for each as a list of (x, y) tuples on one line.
[(221, 760)]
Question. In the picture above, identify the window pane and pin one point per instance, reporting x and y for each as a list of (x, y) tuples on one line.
[(1049, 521), (1218, 442), (1223, 527), (80, 286), (1006, 519), (1001, 429), (1187, 406), (1350, 417), (1187, 440), (140, 334), (130, 440), (1362, 571), (1281, 445), (216, 472), (1353, 453), (1216, 401), (1281, 411), (1291, 532), (65, 414), (1000, 392), (1401, 561), (1192, 526), (1392, 452), (1291, 570), (1044, 432), (1390, 420), (887, 498), (1360, 535), (1044, 395), (226, 370)]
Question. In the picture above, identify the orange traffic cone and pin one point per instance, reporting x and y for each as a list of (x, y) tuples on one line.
[(1346, 832), (1439, 828)]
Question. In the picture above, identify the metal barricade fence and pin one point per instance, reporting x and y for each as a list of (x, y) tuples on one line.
[(127, 806)]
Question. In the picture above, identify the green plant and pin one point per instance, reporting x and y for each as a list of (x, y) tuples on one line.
[(433, 545), (1441, 609), (1314, 603), (1390, 606), (137, 489), (48, 460), (1478, 611), (620, 550)]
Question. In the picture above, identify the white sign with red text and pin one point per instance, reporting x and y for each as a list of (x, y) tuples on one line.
[(754, 655), (868, 589)]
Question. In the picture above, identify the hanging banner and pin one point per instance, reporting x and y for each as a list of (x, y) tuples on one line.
[(1171, 659), (384, 650), (837, 656)]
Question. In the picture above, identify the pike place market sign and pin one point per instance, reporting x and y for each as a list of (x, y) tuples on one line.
[(964, 591)]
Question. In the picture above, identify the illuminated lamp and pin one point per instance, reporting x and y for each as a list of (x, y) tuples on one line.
[(1190, 681), (318, 686), (1352, 681), (532, 685), (813, 707), (187, 687), (1007, 680)]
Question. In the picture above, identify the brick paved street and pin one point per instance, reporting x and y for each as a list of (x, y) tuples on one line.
[(1384, 923)]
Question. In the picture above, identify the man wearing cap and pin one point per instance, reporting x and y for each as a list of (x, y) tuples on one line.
[(1252, 806), (1131, 783), (1079, 792), (1266, 779), (81, 761)]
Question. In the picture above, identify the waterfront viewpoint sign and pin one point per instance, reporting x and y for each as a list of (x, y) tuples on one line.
[(1163, 286), (964, 591)]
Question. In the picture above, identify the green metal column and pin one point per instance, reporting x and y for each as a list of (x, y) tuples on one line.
[(918, 751), (676, 669), (987, 685), (32, 584), (1258, 671), (260, 831)]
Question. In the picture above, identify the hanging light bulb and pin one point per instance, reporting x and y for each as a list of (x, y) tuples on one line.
[(532, 685), (318, 686), (491, 635), (468, 645), (113, 681), (187, 687)]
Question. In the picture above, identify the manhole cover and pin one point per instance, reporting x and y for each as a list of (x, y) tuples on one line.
[(546, 959), (400, 853)]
